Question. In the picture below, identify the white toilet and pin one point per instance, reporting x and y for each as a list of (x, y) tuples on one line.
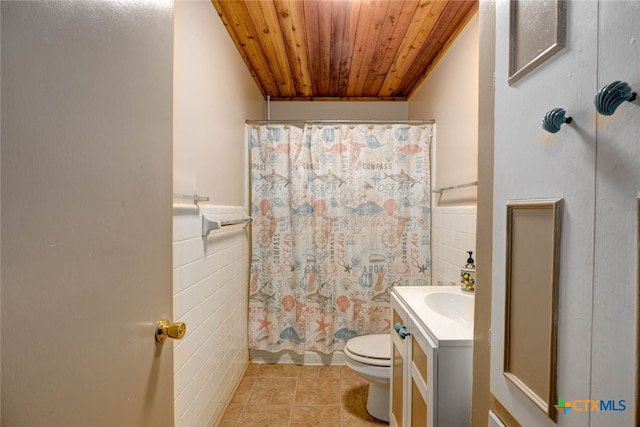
[(370, 357)]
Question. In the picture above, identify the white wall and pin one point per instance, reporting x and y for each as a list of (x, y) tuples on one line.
[(214, 94), (330, 110), (449, 95), (211, 297)]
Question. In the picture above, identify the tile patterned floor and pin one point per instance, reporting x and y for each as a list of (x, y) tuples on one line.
[(299, 396)]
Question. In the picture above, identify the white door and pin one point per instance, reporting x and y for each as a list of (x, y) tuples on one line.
[(531, 163), (615, 294), (86, 213), (594, 164)]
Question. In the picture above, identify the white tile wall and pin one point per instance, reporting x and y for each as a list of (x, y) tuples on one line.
[(453, 232), (210, 282)]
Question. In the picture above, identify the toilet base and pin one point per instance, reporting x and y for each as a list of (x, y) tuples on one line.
[(378, 401)]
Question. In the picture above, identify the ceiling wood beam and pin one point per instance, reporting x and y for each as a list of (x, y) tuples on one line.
[(291, 18), (313, 41), (241, 30), (324, 47), (376, 73), (421, 26), (435, 48), (243, 53), (349, 42), (266, 22), (399, 33), (375, 29), (367, 8)]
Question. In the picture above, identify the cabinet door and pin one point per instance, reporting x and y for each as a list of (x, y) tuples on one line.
[(531, 163), (397, 408), (614, 369), (423, 362)]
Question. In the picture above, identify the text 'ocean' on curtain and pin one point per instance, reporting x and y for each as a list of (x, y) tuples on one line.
[(341, 214)]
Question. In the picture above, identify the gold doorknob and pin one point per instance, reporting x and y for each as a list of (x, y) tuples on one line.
[(172, 330)]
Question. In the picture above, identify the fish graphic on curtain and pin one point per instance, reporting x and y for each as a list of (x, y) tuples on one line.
[(341, 214)]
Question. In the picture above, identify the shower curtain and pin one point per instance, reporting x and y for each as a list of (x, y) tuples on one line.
[(341, 214)]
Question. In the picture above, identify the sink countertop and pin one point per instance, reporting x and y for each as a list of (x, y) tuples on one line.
[(445, 331)]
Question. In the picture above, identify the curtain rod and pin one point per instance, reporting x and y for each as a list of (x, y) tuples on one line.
[(338, 122)]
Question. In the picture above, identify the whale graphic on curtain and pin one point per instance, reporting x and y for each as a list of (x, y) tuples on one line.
[(341, 214)]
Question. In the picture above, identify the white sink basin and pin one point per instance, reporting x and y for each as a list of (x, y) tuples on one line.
[(445, 312), (456, 307)]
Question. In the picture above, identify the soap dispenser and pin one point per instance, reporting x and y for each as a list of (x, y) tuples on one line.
[(468, 274)]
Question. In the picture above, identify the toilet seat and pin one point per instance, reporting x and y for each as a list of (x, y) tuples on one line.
[(372, 349)]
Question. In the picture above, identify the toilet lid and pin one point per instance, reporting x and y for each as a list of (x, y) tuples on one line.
[(375, 346)]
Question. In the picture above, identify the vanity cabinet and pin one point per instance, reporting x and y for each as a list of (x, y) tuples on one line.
[(431, 380), (398, 363), (422, 362)]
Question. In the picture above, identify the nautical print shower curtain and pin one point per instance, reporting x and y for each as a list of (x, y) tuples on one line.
[(341, 214)]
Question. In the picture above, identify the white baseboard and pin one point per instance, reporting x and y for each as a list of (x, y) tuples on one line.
[(308, 358)]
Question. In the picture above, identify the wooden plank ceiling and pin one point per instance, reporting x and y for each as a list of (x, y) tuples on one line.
[(341, 49)]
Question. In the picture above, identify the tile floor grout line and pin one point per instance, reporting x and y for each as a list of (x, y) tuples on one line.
[(246, 402), (341, 401), (295, 391)]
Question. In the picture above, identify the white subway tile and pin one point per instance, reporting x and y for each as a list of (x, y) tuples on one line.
[(439, 235), (453, 233), (437, 278), (187, 251), (469, 242), (456, 222), (447, 221), (468, 224), (438, 264), (447, 238), (209, 275), (453, 271), (457, 240), (452, 256), (181, 403), (187, 227), (436, 220), (177, 280), (460, 257), (178, 305)]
